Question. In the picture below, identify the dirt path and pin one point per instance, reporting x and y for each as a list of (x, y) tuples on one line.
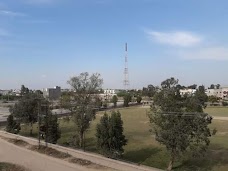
[(97, 159), (33, 160), (221, 118)]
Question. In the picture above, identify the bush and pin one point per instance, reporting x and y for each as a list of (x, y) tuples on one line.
[(225, 103), (12, 125)]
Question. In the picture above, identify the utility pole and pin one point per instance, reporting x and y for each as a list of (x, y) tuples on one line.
[(126, 74), (39, 106)]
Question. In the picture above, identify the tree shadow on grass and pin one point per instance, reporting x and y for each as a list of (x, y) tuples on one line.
[(140, 155), (215, 156)]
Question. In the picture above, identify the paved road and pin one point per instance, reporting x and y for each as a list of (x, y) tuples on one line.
[(35, 161)]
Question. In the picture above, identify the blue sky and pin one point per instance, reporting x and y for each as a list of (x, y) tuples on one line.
[(45, 42)]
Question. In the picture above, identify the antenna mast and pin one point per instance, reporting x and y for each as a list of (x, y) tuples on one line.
[(126, 74)]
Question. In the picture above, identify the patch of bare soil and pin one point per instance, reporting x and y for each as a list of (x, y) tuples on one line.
[(86, 163), (11, 167), (18, 142), (50, 152)]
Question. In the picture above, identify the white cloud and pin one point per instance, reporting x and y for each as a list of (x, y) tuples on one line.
[(209, 53), (11, 13), (178, 38)]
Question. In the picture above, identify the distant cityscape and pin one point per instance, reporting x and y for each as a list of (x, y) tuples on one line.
[(55, 92)]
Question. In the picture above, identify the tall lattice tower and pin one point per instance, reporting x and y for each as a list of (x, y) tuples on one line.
[(126, 74)]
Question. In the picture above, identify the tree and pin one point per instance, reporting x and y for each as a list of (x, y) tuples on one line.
[(110, 138), (26, 109), (212, 86), (218, 86), (12, 126), (83, 112), (139, 99), (194, 86), (24, 90), (65, 101), (127, 99), (53, 130), (149, 91), (114, 100), (178, 123), (212, 99)]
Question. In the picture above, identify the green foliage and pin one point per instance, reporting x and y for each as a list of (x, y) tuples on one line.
[(225, 103), (65, 101), (24, 90), (53, 130), (121, 93), (12, 126), (26, 109), (174, 126), (149, 91), (110, 138), (139, 99), (127, 99), (213, 99), (85, 88), (114, 100), (194, 86)]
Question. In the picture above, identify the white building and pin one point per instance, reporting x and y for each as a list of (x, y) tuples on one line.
[(220, 93), (224, 92), (214, 92), (108, 94), (187, 92)]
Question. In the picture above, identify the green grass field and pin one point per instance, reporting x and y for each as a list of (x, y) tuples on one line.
[(217, 111), (142, 147)]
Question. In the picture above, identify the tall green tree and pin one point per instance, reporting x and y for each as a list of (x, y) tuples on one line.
[(138, 99), (178, 123), (12, 126), (110, 137), (127, 99), (114, 100), (85, 88), (26, 109), (53, 130), (24, 90), (149, 91)]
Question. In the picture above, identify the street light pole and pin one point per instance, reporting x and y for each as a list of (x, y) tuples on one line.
[(39, 123)]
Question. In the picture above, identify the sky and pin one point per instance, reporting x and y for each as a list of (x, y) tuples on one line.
[(43, 43)]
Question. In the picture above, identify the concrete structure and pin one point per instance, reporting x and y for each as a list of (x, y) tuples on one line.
[(214, 92), (4, 92), (52, 93), (220, 93), (187, 92), (225, 92), (108, 94)]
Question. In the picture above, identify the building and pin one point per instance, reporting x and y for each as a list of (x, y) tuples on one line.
[(187, 92), (108, 94), (52, 93), (220, 93), (4, 92), (214, 92), (224, 92)]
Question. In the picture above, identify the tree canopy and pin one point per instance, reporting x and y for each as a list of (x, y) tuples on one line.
[(110, 138), (179, 122), (85, 88)]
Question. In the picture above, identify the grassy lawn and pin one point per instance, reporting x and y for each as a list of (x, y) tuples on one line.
[(217, 111), (142, 147)]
